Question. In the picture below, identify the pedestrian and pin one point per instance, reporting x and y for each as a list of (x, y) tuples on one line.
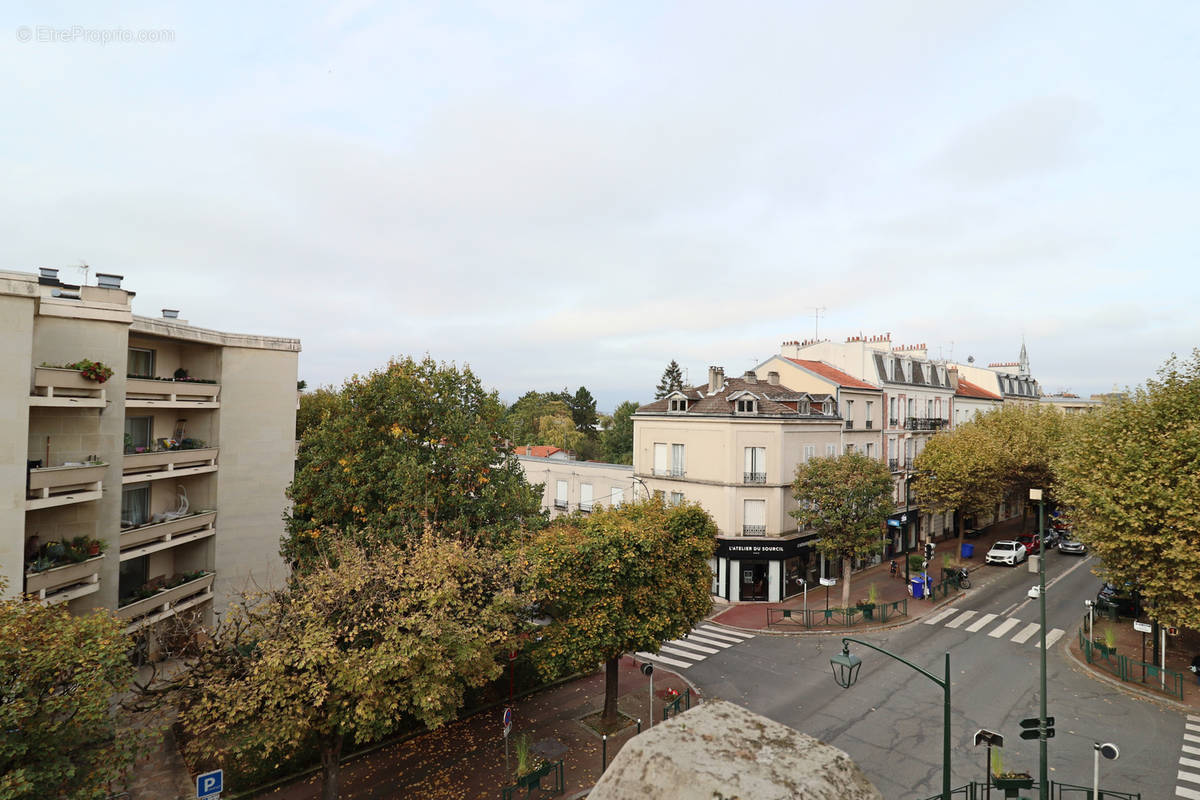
[(893, 568), (1195, 667)]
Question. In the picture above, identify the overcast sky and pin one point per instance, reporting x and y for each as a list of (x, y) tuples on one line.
[(562, 194)]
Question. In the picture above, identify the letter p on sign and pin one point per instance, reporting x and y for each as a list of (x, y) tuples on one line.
[(208, 784)]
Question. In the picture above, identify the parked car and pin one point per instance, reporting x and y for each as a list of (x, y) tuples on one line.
[(1124, 599), (1030, 542), (1006, 551), (1072, 546), (1052, 537)]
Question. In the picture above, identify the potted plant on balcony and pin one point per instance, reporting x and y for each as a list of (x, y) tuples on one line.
[(96, 371)]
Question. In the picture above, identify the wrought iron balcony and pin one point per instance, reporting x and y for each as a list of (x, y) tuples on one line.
[(870, 425), (893, 423), (754, 530), (894, 464), (672, 472), (754, 477), (849, 424), (585, 507), (561, 505), (924, 423)]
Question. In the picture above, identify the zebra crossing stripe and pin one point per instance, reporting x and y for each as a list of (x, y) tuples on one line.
[(960, 619), (1190, 794), (1193, 750), (1187, 776), (677, 652), (1004, 627), (694, 637), (673, 662), (693, 646), (1191, 726), (1053, 636), (980, 623), (1188, 762), (1191, 737), (1193, 718), (936, 618), (713, 630), (1026, 632)]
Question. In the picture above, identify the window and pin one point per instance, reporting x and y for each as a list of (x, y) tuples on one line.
[(810, 452), (660, 459), (892, 418), (746, 405), (831, 450), (849, 416), (912, 408), (756, 465), (676, 498), (929, 409), (754, 517), (827, 408), (135, 505), (870, 450), (849, 449), (618, 497), (678, 404), (677, 461), (870, 422), (141, 362), (132, 575), (560, 495), (139, 433), (585, 497)]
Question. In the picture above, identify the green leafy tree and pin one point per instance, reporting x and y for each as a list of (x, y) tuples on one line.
[(618, 438), (846, 499), (370, 637), (618, 580), (522, 419), (315, 407), (1025, 441), (959, 470), (672, 380), (59, 674), (1130, 476), (583, 410), (415, 446), (558, 431)]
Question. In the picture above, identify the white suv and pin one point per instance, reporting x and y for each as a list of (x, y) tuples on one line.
[(1006, 552)]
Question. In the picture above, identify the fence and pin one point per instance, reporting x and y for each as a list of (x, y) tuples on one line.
[(672, 707), (1058, 791), (1131, 670), (836, 617)]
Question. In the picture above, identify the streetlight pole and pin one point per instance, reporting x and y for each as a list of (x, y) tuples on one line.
[(1043, 772), (845, 672)]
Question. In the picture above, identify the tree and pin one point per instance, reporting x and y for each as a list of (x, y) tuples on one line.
[(522, 418), (583, 410), (618, 438), (672, 381), (412, 447), (58, 676), (314, 408), (1130, 477), (1025, 441), (959, 470), (371, 636), (619, 579), (846, 499)]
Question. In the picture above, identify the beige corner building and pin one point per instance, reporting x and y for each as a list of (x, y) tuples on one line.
[(176, 466)]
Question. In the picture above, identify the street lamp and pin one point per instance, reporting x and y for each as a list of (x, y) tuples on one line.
[(1043, 772), (1109, 751), (845, 671)]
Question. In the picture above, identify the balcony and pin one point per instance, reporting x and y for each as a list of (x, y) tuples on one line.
[(925, 423), (561, 505), (673, 472), (870, 425), (63, 485), (159, 464), (585, 508), (754, 477), (170, 393), (148, 538), (849, 424), (894, 464), (166, 603), (65, 388), (754, 530), (893, 423), (60, 584)]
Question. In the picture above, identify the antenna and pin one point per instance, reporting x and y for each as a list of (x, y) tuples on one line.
[(83, 267), (817, 312)]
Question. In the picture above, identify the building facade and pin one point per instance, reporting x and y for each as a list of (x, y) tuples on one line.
[(175, 467), (569, 485)]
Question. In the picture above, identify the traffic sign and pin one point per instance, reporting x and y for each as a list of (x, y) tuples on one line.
[(1172, 630), (1141, 627), (1034, 734), (1033, 722), (984, 736), (208, 784), (507, 720)]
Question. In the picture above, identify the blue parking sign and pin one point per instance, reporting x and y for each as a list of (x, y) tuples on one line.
[(208, 784)]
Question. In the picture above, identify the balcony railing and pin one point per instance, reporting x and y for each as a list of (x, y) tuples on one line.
[(671, 472), (60, 584), (585, 508), (561, 505), (870, 424), (153, 393), (849, 424), (893, 423), (754, 530), (894, 464), (754, 477), (166, 603), (158, 535), (64, 388), (925, 423), (63, 485), (158, 464)]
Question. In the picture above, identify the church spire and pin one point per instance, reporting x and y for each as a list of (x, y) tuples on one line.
[(1024, 373)]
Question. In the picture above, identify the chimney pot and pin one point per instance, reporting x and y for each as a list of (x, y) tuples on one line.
[(750, 376), (716, 379), (106, 280), (170, 313), (773, 378)]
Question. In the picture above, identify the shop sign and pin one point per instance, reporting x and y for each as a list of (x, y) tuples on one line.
[(772, 551)]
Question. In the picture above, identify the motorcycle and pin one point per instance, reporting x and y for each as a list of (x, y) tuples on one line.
[(964, 581)]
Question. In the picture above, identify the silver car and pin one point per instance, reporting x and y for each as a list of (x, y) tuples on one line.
[(1072, 546)]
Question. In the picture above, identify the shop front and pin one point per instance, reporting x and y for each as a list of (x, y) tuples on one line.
[(765, 570)]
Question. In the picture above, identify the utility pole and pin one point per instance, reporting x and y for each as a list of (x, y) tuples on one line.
[(1043, 770), (817, 312)]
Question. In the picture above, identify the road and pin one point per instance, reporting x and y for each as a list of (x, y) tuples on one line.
[(890, 721)]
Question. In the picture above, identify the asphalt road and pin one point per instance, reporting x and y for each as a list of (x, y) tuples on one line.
[(890, 721)]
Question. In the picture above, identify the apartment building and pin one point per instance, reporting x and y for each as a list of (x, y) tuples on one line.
[(1010, 380), (970, 399), (569, 485), (156, 491), (1068, 403), (732, 445)]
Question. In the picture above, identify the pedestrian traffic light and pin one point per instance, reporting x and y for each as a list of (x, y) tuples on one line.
[(928, 551)]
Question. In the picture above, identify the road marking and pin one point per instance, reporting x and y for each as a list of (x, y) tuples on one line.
[(1193, 718), (980, 623), (677, 652), (1191, 726), (709, 630), (1009, 610), (1189, 762), (673, 662), (1191, 737), (692, 646), (1053, 636), (693, 637), (1190, 794), (1026, 632), (961, 618), (1193, 750), (1068, 572), (940, 616), (1004, 627), (1187, 776)]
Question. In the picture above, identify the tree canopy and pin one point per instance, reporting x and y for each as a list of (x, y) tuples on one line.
[(583, 410), (846, 499), (58, 676), (672, 380), (616, 580), (618, 438), (367, 638), (314, 407), (959, 470), (1130, 477), (412, 447)]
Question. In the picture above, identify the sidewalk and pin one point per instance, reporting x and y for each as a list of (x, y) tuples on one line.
[(465, 759), (752, 616)]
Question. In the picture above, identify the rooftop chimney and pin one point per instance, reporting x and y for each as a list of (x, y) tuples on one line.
[(48, 272), (716, 379), (750, 376), (106, 280), (773, 378), (170, 313)]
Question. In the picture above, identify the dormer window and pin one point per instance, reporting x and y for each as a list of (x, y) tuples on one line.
[(678, 404), (747, 405), (827, 408)]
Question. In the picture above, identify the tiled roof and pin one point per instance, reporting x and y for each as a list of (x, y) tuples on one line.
[(538, 450), (831, 373), (772, 400), (968, 389)]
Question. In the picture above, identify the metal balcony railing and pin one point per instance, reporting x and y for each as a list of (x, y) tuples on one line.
[(754, 530), (870, 424), (561, 505), (893, 423), (924, 423), (849, 424), (585, 507), (755, 477), (894, 464)]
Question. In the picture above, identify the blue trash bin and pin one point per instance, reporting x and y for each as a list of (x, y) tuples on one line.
[(918, 587), (968, 549)]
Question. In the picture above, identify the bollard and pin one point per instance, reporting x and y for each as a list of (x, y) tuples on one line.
[(639, 724), (688, 694), (603, 752)]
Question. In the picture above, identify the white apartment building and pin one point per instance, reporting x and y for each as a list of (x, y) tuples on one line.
[(569, 485), (175, 467)]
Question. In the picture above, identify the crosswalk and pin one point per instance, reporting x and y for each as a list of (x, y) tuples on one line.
[(703, 641), (957, 618), (1188, 778)]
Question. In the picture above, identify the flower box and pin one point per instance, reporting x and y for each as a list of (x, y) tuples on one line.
[(1013, 783), (51, 479), (166, 461), (40, 583), (55, 378), (149, 393), (166, 597), (173, 527)]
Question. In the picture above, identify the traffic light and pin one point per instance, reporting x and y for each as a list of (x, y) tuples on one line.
[(929, 551)]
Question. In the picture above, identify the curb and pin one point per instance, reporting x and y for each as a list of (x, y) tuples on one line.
[(841, 631), (1098, 675)]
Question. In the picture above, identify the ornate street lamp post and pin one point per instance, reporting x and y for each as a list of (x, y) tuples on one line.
[(845, 672)]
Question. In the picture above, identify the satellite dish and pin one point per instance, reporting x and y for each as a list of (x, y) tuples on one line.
[(970, 359)]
